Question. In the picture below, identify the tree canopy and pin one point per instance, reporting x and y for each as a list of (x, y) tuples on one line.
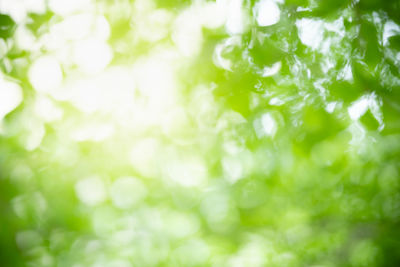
[(199, 133)]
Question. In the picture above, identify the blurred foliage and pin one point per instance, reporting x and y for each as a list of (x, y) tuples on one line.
[(7, 26), (199, 133)]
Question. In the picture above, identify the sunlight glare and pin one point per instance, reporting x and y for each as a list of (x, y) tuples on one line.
[(10, 96), (91, 55), (187, 33), (311, 32), (236, 18), (45, 74), (64, 8), (268, 13)]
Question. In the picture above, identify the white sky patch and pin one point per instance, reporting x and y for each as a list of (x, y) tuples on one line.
[(390, 29), (80, 26), (118, 88), (358, 108), (336, 26), (265, 126), (92, 131), (157, 84), (274, 69), (73, 27), (187, 33), (25, 39), (311, 32), (101, 29), (236, 19), (64, 8), (52, 41), (10, 96), (92, 55), (175, 121), (18, 9), (269, 124), (213, 14), (71, 36), (91, 191), (85, 94), (34, 6), (110, 91), (327, 64), (361, 106), (346, 73), (330, 107), (155, 77), (276, 101), (268, 13), (45, 109), (154, 25), (45, 74)]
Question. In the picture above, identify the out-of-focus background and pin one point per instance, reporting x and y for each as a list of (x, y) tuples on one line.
[(199, 133)]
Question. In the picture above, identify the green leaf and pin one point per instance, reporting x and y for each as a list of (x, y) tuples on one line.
[(7, 26)]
